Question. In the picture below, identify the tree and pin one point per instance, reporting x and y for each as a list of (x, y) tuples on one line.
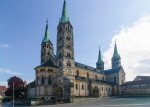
[(18, 87)]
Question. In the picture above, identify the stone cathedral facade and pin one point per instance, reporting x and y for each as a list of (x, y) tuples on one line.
[(61, 77)]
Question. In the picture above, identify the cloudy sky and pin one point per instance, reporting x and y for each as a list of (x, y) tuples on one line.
[(95, 22)]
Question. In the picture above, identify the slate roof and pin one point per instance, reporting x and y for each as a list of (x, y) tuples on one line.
[(114, 70), (144, 77), (137, 82), (48, 63), (77, 64)]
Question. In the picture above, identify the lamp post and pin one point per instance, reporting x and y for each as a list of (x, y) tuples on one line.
[(13, 94)]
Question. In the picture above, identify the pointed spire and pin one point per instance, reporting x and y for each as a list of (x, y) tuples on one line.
[(64, 16), (46, 36), (115, 50), (99, 56)]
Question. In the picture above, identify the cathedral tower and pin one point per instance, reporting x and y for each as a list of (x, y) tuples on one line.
[(65, 46), (100, 63), (116, 59), (47, 51)]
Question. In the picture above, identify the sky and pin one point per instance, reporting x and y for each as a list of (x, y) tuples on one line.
[(95, 23)]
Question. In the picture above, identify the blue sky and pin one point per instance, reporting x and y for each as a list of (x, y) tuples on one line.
[(95, 22)]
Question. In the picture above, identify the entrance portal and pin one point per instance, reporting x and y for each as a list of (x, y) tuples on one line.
[(96, 92), (59, 91)]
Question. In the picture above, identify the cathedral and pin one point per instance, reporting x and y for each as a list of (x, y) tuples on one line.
[(59, 77)]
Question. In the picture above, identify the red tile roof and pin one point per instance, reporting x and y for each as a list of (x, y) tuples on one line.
[(3, 88)]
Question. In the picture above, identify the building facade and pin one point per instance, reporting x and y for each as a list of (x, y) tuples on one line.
[(61, 77)]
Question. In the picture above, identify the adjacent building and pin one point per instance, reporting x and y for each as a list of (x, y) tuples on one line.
[(140, 86), (2, 90)]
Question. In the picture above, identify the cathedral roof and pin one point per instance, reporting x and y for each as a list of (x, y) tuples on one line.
[(46, 36), (48, 63), (64, 16), (77, 64), (114, 70)]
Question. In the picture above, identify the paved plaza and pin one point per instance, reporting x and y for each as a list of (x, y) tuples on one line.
[(102, 102)]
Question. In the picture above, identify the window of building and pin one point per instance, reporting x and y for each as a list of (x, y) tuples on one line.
[(43, 80), (96, 76), (69, 64), (68, 46), (77, 72), (87, 75), (60, 55), (114, 79), (68, 55), (68, 38), (42, 69), (102, 88), (76, 86), (50, 70), (49, 80), (82, 87), (103, 78)]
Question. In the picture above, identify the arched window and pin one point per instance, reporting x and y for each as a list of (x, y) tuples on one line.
[(68, 55), (96, 76), (43, 80), (87, 75), (77, 72), (82, 87), (102, 88), (69, 64), (68, 38), (49, 80), (68, 46), (76, 86)]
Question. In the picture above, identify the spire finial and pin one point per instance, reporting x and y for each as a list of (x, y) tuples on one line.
[(47, 21)]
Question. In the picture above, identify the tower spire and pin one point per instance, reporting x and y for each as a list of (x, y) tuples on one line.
[(64, 16), (46, 36), (99, 56), (115, 50)]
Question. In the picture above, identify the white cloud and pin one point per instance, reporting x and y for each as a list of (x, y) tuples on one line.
[(133, 43), (10, 72), (4, 45)]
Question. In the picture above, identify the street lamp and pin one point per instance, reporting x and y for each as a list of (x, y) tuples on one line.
[(13, 94)]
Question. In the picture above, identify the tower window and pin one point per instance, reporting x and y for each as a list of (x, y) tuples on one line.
[(69, 64), (60, 55), (49, 80), (68, 55), (68, 38), (68, 46), (43, 80)]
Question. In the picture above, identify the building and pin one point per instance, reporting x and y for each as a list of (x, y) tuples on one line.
[(140, 86), (2, 90), (61, 77)]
